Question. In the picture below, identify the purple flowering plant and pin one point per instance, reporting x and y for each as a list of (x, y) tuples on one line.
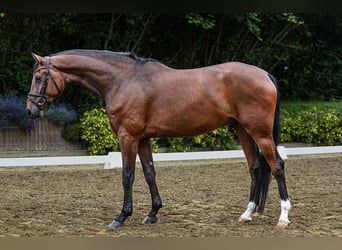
[(13, 112), (60, 114)]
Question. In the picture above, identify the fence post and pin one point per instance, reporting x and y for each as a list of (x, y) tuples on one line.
[(282, 152), (114, 160)]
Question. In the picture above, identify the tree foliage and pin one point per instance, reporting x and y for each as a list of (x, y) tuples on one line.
[(302, 50)]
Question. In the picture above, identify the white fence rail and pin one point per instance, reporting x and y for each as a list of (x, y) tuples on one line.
[(113, 159)]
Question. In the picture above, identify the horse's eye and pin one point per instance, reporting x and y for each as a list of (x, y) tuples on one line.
[(38, 79)]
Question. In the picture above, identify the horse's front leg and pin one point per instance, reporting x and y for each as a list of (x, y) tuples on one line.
[(129, 148), (145, 154)]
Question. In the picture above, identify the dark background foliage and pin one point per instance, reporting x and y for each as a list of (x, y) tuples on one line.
[(303, 50)]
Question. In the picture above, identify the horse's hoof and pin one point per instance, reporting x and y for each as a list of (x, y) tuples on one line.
[(283, 224), (115, 224), (244, 220), (150, 220)]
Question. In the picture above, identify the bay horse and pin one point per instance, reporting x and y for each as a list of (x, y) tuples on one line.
[(145, 98)]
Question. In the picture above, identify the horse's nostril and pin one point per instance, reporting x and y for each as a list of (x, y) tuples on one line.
[(28, 112)]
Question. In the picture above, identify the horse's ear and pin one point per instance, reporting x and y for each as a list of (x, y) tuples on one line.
[(37, 58)]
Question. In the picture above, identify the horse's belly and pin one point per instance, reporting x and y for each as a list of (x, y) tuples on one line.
[(187, 124)]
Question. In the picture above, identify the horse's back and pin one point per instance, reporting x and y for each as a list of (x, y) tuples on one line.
[(165, 102), (194, 101)]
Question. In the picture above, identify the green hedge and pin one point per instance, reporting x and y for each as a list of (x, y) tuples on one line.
[(313, 126), (98, 135), (218, 139), (96, 132), (305, 123)]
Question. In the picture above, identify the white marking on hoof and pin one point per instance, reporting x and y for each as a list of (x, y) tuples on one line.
[(244, 220), (283, 224), (285, 206), (246, 216)]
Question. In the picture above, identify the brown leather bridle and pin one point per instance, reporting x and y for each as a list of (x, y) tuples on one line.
[(42, 94)]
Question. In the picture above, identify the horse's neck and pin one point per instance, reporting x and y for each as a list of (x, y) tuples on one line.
[(96, 75)]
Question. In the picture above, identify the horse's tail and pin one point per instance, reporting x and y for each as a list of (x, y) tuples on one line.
[(264, 176), (277, 111)]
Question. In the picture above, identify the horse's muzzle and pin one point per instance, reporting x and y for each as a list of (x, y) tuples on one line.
[(33, 113)]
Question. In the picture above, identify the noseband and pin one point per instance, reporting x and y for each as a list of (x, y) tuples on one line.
[(42, 97)]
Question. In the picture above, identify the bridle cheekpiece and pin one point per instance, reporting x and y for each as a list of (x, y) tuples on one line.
[(42, 95)]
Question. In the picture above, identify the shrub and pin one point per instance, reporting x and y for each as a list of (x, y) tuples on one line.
[(96, 132), (60, 114), (312, 126), (98, 135), (13, 110), (218, 139), (72, 132)]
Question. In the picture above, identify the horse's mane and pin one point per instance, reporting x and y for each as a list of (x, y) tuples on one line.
[(97, 53)]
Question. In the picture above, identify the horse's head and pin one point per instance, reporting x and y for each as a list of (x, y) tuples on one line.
[(47, 84)]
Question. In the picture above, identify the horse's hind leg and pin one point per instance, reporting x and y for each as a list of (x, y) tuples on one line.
[(250, 150), (145, 155), (276, 164)]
